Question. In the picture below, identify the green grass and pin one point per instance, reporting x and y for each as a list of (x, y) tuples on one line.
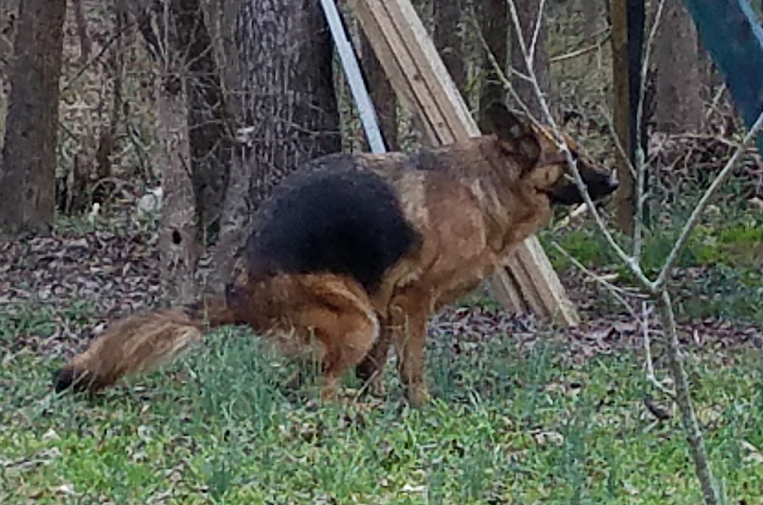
[(507, 426)]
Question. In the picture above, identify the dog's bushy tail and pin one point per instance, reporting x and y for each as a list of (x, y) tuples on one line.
[(140, 342)]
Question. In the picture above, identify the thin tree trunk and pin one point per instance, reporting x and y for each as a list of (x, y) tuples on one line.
[(28, 172), (448, 41), (288, 112), (494, 23), (178, 248), (194, 134), (207, 115), (382, 94)]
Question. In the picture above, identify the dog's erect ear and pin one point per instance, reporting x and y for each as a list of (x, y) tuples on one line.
[(513, 130)]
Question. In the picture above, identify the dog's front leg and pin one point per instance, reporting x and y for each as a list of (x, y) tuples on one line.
[(410, 345)]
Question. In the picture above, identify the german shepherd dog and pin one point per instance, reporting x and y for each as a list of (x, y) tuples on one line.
[(354, 252)]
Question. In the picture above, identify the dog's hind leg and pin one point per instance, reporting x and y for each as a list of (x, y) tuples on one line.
[(335, 317)]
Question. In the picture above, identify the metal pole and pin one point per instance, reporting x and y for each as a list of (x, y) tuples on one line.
[(354, 77)]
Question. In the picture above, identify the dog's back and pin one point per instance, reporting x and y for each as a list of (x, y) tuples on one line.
[(340, 221)]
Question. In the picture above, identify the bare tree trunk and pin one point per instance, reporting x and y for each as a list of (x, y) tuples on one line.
[(178, 248), (288, 113), (447, 39), (677, 98), (494, 23), (194, 133), (8, 20), (207, 116), (197, 45), (28, 174), (527, 11), (382, 94)]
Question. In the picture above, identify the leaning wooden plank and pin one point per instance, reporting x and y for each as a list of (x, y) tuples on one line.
[(424, 86), (458, 122), (406, 77)]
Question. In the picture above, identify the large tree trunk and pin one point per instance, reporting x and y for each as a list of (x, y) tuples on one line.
[(527, 11), (288, 111), (677, 94), (28, 174)]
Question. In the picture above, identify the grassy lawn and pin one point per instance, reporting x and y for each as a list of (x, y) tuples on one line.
[(508, 425), (516, 419)]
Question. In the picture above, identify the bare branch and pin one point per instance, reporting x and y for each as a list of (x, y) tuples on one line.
[(628, 260), (536, 29)]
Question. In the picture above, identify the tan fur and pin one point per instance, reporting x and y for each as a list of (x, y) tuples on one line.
[(471, 203), (138, 343)]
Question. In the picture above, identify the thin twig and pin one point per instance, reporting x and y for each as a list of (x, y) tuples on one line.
[(716, 100), (536, 30), (735, 159), (638, 224), (579, 52)]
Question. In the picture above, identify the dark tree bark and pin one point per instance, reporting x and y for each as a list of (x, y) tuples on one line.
[(527, 11), (193, 52), (494, 23), (447, 39), (194, 132), (28, 174), (208, 119), (288, 111)]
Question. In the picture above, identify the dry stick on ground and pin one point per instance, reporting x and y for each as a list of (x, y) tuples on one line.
[(657, 289)]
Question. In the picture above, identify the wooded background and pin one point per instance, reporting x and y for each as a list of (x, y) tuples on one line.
[(103, 100)]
